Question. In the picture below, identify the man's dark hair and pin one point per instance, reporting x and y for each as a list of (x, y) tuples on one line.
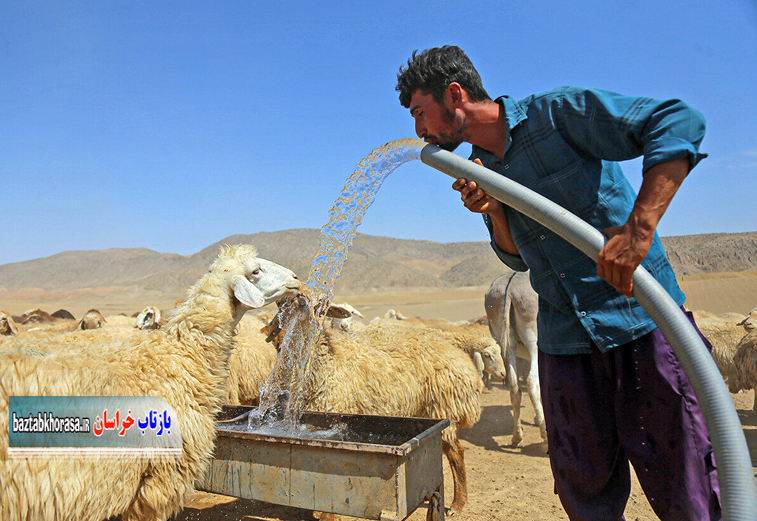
[(434, 69)]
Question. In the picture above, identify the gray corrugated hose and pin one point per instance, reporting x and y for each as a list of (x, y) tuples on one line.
[(737, 485)]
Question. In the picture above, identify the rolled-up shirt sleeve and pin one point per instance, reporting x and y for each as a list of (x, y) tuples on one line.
[(606, 125), (515, 262)]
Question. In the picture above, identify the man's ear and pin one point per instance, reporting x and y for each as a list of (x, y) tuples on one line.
[(456, 93)]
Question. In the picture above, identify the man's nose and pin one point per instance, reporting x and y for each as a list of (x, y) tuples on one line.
[(420, 129)]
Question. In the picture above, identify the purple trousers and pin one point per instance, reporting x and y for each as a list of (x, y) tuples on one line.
[(633, 403)]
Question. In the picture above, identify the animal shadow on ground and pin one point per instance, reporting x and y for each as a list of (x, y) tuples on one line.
[(247, 509), (751, 442), (747, 418), (497, 421)]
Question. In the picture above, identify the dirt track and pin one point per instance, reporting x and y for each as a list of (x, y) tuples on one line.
[(504, 483)]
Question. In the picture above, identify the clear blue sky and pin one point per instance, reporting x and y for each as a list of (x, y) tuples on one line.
[(171, 125)]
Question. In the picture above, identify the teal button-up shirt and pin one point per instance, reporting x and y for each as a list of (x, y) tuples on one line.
[(563, 144)]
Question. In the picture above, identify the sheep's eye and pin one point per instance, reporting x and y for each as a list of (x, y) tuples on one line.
[(257, 271), (487, 355)]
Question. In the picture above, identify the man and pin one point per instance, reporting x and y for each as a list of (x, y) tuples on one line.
[(612, 388)]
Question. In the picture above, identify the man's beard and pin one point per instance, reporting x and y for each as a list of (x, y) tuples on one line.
[(458, 125)]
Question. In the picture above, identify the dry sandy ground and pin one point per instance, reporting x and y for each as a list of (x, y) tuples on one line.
[(714, 292), (504, 483)]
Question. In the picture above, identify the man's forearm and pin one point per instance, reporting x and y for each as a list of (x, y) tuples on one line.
[(627, 245), (660, 184), (502, 236), (477, 201)]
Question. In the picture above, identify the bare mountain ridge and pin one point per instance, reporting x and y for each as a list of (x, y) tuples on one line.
[(374, 263), (712, 252)]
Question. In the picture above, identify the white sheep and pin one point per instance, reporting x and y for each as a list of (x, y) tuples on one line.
[(745, 366), (471, 337), (390, 370), (724, 332), (486, 356), (256, 321), (7, 324), (148, 318), (512, 306), (391, 314), (185, 364), (251, 362), (61, 336)]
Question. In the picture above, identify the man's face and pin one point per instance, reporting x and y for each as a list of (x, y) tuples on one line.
[(436, 123)]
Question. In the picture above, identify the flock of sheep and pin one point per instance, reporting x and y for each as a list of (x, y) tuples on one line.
[(208, 352)]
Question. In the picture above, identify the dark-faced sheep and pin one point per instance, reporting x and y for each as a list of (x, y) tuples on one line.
[(7, 324), (344, 324), (92, 319), (36, 316), (64, 314)]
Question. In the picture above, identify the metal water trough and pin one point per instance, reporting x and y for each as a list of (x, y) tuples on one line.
[(392, 467)]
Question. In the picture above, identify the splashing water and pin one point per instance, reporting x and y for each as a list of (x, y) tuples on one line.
[(281, 396), (357, 195)]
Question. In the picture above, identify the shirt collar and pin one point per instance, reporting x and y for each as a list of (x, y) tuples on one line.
[(514, 115)]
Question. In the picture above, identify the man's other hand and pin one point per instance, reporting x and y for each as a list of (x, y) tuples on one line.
[(626, 247)]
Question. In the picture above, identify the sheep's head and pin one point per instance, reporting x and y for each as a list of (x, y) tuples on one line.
[(92, 319), (7, 325), (393, 314), (734, 384), (304, 310), (494, 365), (148, 318), (750, 322), (343, 323), (253, 282)]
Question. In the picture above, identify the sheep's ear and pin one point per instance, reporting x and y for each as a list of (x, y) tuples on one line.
[(337, 311), (246, 293), (478, 361)]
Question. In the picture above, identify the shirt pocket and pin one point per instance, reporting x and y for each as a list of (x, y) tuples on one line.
[(574, 187)]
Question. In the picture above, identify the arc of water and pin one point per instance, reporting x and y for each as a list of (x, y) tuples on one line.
[(292, 369)]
